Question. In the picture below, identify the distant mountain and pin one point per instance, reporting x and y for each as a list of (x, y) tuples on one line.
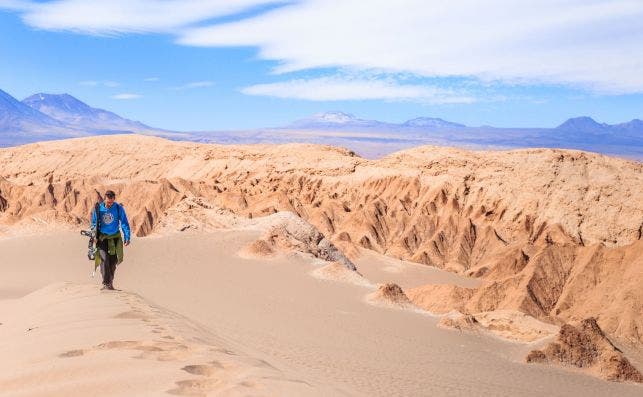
[(586, 129), (338, 121), (333, 118), (73, 112), (634, 126), (584, 125), (16, 117), (430, 122), (346, 121), (43, 117)]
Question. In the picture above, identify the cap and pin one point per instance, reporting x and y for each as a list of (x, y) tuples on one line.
[(110, 193)]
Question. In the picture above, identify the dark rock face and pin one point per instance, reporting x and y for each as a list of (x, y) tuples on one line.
[(586, 346)]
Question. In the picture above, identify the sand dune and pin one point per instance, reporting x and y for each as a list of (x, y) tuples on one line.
[(273, 311), (74, 340), (553, 234)]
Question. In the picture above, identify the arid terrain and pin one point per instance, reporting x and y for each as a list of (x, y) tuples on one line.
[(303, 269)]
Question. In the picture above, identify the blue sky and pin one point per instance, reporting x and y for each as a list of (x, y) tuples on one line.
[(208, 65)]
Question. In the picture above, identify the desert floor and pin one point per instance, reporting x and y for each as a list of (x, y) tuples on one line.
[(192, 317)]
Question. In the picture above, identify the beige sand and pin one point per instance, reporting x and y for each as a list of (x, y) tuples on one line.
[(266, 311), (74, 340)]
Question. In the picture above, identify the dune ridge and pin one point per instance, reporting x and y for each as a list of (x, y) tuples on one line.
[(116, 343)]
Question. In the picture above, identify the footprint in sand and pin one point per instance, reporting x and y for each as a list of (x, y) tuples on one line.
[(133, 314), (159, 350), (195, 387), (201, 386), (164, 351), (119, 344), (200, 369), (249, 384), (225, 351), (72, 353)]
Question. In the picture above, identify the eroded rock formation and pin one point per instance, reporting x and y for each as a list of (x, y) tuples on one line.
[(553, 233), (586, 346)]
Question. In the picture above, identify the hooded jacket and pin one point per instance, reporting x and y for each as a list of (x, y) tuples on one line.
[(110, 218)]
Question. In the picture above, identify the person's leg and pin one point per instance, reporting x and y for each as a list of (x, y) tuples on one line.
[(105, 263), (113, 260), (112, 268)]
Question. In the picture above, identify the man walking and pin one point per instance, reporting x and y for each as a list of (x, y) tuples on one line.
[(111, 219)]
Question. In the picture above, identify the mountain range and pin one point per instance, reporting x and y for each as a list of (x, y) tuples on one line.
[(49, 116), (345, 121), (72, 112), (17, 116), (45, 116)]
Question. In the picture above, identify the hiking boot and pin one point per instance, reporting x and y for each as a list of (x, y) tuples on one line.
[(110, 287), (105, 286)]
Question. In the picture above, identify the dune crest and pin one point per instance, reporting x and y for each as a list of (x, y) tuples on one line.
[(147, 350)]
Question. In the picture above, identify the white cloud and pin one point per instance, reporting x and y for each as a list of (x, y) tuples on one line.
[(337, 88), (125, 16), (126, 95), (194, 84), (151, 79), (592, 44)]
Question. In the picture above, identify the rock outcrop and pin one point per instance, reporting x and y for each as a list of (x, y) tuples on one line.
[(586, 346), (288, 232), (392, 295)]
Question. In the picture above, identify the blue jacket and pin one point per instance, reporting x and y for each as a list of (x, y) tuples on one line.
[(110, 218)]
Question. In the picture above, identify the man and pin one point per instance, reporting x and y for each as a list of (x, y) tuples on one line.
[(109, 242)]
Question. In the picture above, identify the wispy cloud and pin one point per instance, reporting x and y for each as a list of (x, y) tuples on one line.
[(337, 88), (94, 83), (593, 44), (151, 79), (194, 84), (98, 17), (126, 95)]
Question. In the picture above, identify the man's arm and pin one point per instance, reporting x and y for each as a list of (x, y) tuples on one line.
[(125, 225)]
